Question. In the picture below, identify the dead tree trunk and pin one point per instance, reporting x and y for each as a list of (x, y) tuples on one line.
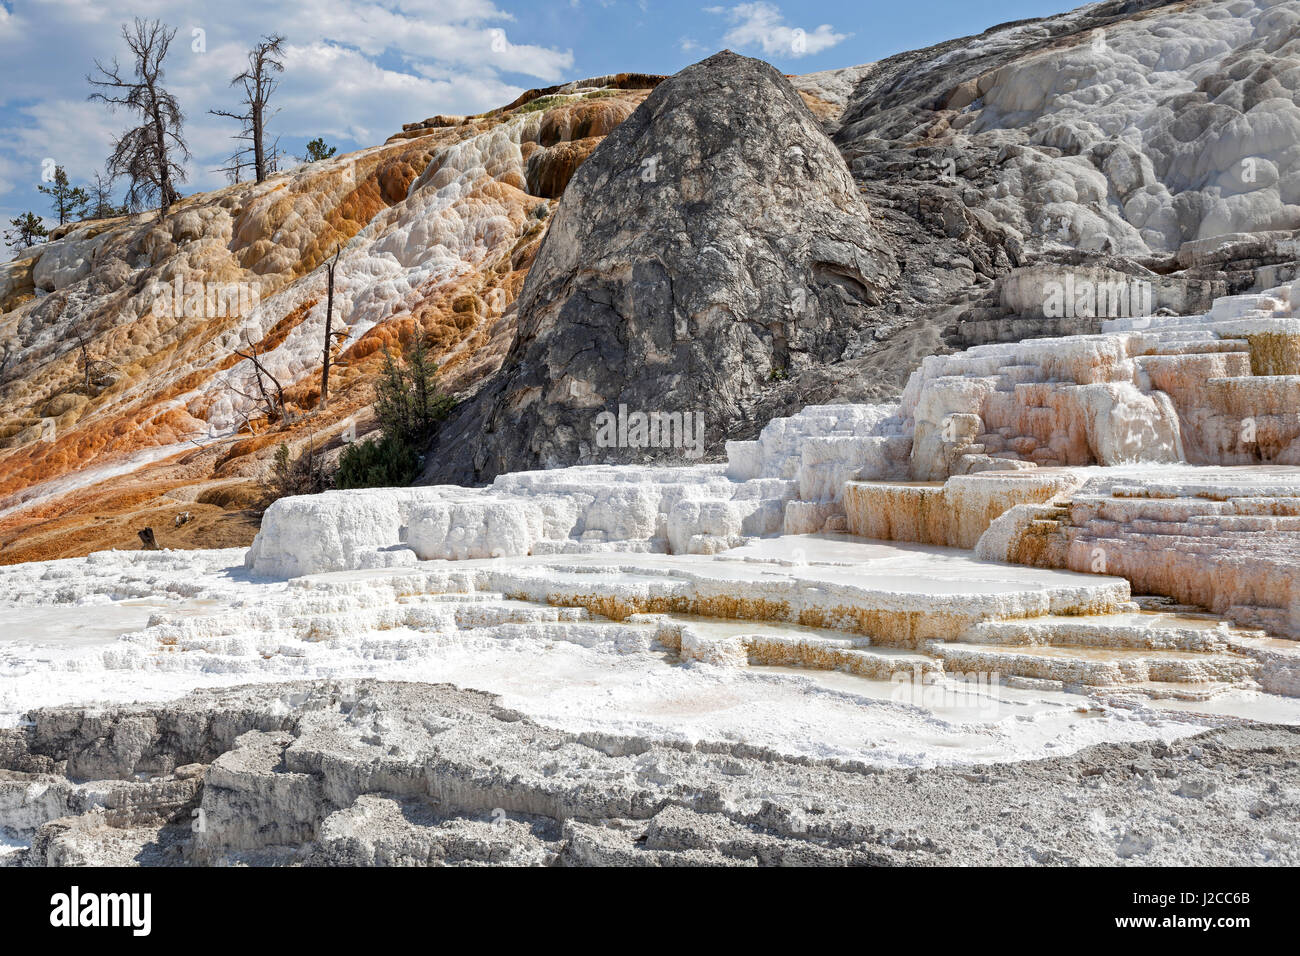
[(273, 405), (329, 331), (258, 82), (83, 349), (152, 155)]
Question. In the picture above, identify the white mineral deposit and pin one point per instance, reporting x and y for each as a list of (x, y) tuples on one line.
[(950, 539)]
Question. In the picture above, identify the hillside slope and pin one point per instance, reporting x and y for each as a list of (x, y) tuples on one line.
[(124, 400), (1139, 139)]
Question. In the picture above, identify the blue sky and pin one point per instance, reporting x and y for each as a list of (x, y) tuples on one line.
[(355, 71)]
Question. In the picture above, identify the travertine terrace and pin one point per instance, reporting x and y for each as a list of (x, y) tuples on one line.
[(959, 578), (941, 527), (1104, 457)]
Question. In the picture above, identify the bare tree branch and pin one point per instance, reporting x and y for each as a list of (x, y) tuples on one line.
[(151, 154), (258, 83), (273, 404)]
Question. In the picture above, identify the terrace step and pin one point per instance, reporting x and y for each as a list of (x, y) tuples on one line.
[(516, 612), (1173, 690), (895, 594), (744, 643), (1097, 667), (1150, 631)]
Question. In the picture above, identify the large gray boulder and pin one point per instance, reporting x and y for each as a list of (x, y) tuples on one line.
[(713, 243)]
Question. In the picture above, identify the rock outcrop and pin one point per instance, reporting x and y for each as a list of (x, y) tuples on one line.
[(713, 242), (375, 774), (1114, 136)]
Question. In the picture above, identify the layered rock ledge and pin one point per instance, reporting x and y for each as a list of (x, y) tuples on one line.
[(376, 773)]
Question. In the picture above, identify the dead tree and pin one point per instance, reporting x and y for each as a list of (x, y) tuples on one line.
[(150, 155), (330, 334), (95, 373), (101, 198), (271, 400), (258, 83), (83, 344), (87, 363)]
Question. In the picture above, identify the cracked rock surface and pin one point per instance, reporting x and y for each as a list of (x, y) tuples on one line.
[(714, 240), (382, 773)]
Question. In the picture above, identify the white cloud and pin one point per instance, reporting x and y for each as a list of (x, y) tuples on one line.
[(340, 93), (456, 33), (355, 70), (62, 130), (10, 176), (762, 26)]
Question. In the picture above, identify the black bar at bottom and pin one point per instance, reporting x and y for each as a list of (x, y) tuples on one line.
[(302, 905)]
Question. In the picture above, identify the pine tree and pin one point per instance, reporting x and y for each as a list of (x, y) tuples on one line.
[(408, 404), (69, 201), (317, 150), (393, 398), (409, 408), (430, 405), (27, 231)]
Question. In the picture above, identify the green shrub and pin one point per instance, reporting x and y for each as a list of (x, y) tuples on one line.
[(543, 103), (384, 462), (317, 150), (407, 401), (409, 408), (303, 475)]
